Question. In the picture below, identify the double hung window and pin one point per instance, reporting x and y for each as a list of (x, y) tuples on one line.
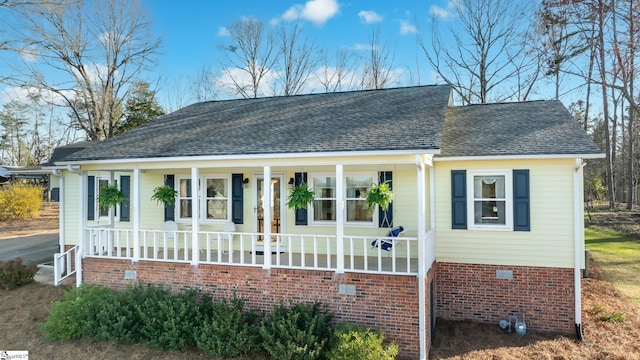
[(490, 199), (214, 201)]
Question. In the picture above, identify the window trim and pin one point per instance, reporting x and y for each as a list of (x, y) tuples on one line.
[(508, 198), (343, 196), (97, 216), (310, 208), (374, 215), (178, 203), (202, 198)]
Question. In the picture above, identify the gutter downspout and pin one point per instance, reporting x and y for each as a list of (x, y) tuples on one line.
[(578, 241)]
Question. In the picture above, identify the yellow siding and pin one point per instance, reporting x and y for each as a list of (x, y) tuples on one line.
[(71, 203), (550, 241)]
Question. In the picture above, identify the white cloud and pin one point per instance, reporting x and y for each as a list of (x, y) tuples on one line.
[(29, 54), (407, 28), (369, 17), (445, 13), (360, 47), (20, 94), (223, 31), (316, 11)]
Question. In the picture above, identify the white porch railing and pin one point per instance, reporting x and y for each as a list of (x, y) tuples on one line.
[(296, 251), (65, 265)]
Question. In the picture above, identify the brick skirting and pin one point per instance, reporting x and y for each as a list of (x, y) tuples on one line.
[(385, 302), (473, 292)]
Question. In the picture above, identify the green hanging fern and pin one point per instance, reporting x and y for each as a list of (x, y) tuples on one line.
[(164, 194), (300, 197), (380, 195), (110, 196)]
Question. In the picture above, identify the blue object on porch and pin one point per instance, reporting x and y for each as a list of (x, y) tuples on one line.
[(387, 244)]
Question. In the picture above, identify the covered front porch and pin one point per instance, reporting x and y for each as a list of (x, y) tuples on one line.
[(219, 215)]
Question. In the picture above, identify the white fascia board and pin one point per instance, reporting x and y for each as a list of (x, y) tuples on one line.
[(520, 157), (255, 156)]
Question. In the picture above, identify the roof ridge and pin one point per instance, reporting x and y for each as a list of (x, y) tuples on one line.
[(505, 103), (321, 93)]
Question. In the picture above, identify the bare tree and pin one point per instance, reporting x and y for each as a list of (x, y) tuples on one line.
[(251, 55), (338, 75), (479, 55), (203, 86), (99, 49), (298, 60), (378, 72)]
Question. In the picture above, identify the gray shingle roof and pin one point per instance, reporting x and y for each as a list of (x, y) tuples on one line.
[(409, 118), (525, 128)]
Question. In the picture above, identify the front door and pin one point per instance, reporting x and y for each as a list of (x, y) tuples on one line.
[(277, 208)]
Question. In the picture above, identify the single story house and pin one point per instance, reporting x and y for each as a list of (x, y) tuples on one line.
[(490, 198)]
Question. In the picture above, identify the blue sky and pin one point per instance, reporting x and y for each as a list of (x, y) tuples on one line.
[(192, 33)]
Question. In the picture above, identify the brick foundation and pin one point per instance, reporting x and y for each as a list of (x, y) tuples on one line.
[(473, 292), (388, 303)]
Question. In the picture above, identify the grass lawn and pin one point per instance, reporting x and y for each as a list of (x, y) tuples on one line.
[(618, 256)]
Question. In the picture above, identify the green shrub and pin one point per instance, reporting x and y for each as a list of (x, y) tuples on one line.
[(75, 316), (298, 332), (615, 317), (14, 273), (353, 342), (169, 322), (228, 331), (19, 201)]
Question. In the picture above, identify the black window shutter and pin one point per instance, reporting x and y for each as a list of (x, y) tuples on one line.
[(237, 198), (521, 212), (169, 210), (125, 187), (458, 199), (385, 218), (91, 197), (301, 214)]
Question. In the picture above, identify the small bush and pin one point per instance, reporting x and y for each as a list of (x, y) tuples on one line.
[(14, 273), (615, 317), (19, 201), (169, 322), (75, 316), (598, 309), (298, 332), (353, 342), (228, 331)]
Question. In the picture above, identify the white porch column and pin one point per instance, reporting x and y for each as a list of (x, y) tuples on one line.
[(431, 249), (422, 321), (340, 218), (134, 206), (61, 207), (266, 221), (195, 215), (83, 225), (112, 209)]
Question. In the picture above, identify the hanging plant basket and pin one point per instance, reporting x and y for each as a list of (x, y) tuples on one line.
[(380, 195), (164, 194), (300, 197), (110, 196)]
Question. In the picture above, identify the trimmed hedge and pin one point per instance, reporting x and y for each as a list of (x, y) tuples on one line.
[(153, 316)]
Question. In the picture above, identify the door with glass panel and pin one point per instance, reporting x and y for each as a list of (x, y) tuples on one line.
[(277, 212)]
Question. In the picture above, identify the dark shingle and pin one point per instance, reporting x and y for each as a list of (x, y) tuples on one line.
[(525, 128), (409, 118)]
